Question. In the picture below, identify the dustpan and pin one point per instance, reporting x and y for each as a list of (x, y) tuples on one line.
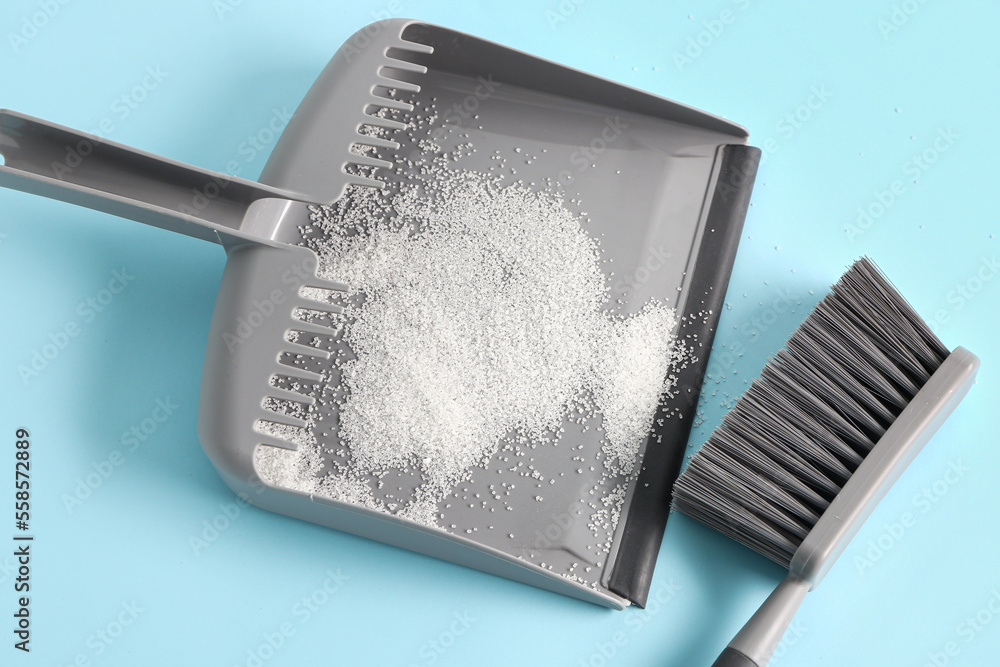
[(665, 186)]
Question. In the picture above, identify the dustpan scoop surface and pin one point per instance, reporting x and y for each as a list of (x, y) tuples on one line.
[(652, 191)]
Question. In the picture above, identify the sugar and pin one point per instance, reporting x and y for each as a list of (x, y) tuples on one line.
[(478, 314)]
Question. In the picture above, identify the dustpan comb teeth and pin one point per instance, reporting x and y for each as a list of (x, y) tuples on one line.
[(396, 70), (314, 319)]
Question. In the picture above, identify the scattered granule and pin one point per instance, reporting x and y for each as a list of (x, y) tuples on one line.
[(605, 519), (477, 319), (631, 373), (290, 469), (483, 314), (485, 320)]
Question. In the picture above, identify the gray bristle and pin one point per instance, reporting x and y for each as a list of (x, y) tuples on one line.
[(766, 475)]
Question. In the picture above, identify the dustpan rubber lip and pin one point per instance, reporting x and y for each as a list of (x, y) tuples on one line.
[(645, 522)]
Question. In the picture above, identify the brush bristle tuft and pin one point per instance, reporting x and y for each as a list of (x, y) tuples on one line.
[(766, 475)]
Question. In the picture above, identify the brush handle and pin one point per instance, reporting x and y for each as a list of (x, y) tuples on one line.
[(733, 658), (755, 643), (893, 453), (53, 161)]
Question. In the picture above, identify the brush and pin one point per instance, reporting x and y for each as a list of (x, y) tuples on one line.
[(819, 438)]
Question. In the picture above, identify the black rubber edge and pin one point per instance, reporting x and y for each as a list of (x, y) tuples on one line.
[(632, 574), (733, 658)]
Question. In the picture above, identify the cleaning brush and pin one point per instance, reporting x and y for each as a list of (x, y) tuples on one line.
[(816, 442)]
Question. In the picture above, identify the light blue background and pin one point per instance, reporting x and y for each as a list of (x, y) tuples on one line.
[(887, 97)]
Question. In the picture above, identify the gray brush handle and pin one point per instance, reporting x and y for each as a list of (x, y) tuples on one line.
[(939, 396), (756, 642), (733, 658)]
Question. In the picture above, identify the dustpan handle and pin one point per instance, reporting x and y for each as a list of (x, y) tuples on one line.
[(59, 163)]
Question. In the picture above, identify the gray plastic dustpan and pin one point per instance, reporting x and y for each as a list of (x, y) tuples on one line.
[(657, 179)]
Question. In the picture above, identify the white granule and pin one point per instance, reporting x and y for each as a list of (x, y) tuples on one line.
[(478, 314), (630, 376)]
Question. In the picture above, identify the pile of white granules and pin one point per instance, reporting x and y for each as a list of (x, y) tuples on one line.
[(478, 319)]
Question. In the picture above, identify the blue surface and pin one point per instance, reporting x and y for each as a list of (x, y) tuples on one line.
[(888, 82)]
